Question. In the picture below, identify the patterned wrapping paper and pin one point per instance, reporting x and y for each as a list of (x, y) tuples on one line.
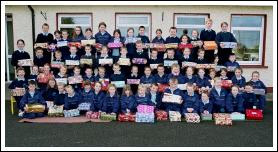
[(92, 115), (254, 114), (189, 64), (42, 45), (148, 45), (114, 45), (72, 62), (71, 113), (145, 109), (84, 106), (205, 66), (222, 119), (210, 45), (259, 91), (49, 104), (138, 60), (126, 117), (171, 45), (118, 84), (105, 61), (86, 61), (26, 62), (144, 117), (162, 87), (197, 43), (34, 108), (98, 46), (153, 66), (61, 80), (75, 79), (131, 40), (124, 61), (104, 83), (161, 115), (183, 46), (52, 47), (90, 42), (62, 43), (55, 111), (174, 116), (133, 81), (18, 92), (76, 44), (206, 117), (238, 116), (172, 98), (42, 78), (160, 47), (104, 116), (229, 44), (169, 63), (55, 64), (192, 118), (226, 84)]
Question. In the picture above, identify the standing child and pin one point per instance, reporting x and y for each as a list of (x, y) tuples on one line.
[(196, 47), (32, 96), (102, 37), (57, 36), (117, 38), (20, 54), (190, 104), (128, 104), (142, 55), (218, 96), (64, 49), (130, 45), (134, 75), (111, 101), (78, 34), (72, 98), (205, 104), (141, 34), (234, 101), (39, 58), (159, 39), (173, 38)]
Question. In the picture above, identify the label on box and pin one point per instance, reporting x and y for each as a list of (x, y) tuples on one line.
[(229, 44), (138, 60), (188, 64), (168, 97), (105, 61), (56, 64), (18, 92), (115, 45), (42, 45), (182, 86)]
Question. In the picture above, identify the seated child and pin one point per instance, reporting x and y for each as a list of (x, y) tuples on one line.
[(201, 57), (141, 97), (101, 74), (202, 81), (238, 79), (62, 72), (89, 75), (104, 55), (57, 58), (87, 55), (189, 77), (87, 93), (51, 90), (60, 98), (231, 65), (39, 59), (34, 73), (250, 100), (205, 104), (72, 98), (76, 73), (218, 96), (190, 104), (175, 73), (185, 58), (98, 97), (234, 101), (155, 60), (170, 56), (72, 56), (117, 75), (44, 77), (156, 97), (128, 104), (134, 75), (147, 78), (223, 74), (111, 101), (123, 54), (160, 77)]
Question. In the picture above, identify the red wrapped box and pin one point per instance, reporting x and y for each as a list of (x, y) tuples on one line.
[(226, 84), (160, 47), (162, 87), (183, 46), (77, 44), (43, 78), (98, 46), (254, 114), (161, 115), (92, 115), (126, 117)]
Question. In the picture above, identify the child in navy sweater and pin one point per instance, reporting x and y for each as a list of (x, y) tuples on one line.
[(117, 38), (201, 57), (170, 56), (39, 59), (64, 49), (202, 81), (156, 97), (101, 74), (111, 101), (34, 73), (175, 73), (250, 100), (117, 75), (98, 97), (141, 97), (88, 56), (158, 38), (104, 55), (87, 93), (205, 104), (154, 60), (218, 96), (148, 77), (190, 104), (124, 55), (234, 101), (72, 98), (196, 47), (130, 45), (51, 90), (72, 56), (58, 60), (173, 38), (189, 76), (102, 37), (62, 73), (32, 96), (160, 77), (128, 104), (60, 98), (134, 75), (89, 75), (238, 79), (140, 54), (231, 65)]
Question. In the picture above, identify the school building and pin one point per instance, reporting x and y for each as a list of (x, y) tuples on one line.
[(251, 25)]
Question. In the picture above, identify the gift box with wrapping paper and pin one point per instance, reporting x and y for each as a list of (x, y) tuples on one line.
[(131, 40), (55, 111), (34, 108), (84, 106), (183, 46), (76, 44), (72, 62), (189, 64), (168, 63), (92, 115), (42, 45), (42, 78), (172, 98), (90, 42), (138, 60), (133, 81), (226, 84), (86, 61), (25, 62), (105, 61), (75, 79), (174, 116), (98, 46), (171, 46), (238, 116), (104, 84), (229, 44), (161, 115), (153, 66), (126, 117), (223, 119), (210, 45), (259, 91), (192, 118), (147, 45), (160, 47), (118, 84), (62, 43), (254, 114), (206, 117), (61, 80), (144, 117), (162, 87), (145, 109), (105, 116), (124, 61), (115, 45), (71, 113), (56, 64), (18, 92), (197, 43)]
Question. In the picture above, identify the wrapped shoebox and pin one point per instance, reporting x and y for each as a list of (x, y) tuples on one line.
[(42, 78), (171, 45), (223, 119), (105, 61), (144, 117), (138, 60), (145, 109), (71, 113), (18, 92), (56, 111), (174, 116), (75, 79), (98, 46), (254, 114), (238, 116), (92, 115), (161, 115), (206, 117), (124, 61), (160, 47), (118, 84), (192, 118), (56, 64), (35, 108), (226, 84), (26, 62), (72, 62), (90, 42), (259, 91), (49, 104), (104, 116), (169, 63), (229, 44), (62, 43), (162, 87), (126, 117), (133, 81), (86, 61), (183, 46), (42, 45), (153, 66), (189, 64), (84, 106), (171, 98), (61, 80), (114, 45), (210, 45)]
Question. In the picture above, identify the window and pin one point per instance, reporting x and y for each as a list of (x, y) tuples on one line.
[(70, 21), (125, 21), (249, 32), (189, 22)]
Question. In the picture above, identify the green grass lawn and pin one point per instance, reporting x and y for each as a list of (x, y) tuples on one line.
[(159, 134)]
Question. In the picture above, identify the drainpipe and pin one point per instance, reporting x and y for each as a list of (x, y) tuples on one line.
[(33, 23)]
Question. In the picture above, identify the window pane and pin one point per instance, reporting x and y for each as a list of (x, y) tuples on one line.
[(249, 44), (133, 20), (190, 20), (75, 20), (180, 31), (247, 21), (124, 31)]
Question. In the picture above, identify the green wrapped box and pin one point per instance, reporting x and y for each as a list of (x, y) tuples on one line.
[(104, 116), (206, 117)]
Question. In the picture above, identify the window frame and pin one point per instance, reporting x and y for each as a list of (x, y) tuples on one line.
[(59, 15), (124, 14)]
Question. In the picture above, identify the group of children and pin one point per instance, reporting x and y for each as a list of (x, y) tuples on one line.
[(203, 93)]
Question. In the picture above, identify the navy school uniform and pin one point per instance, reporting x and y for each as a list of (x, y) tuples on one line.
[(61, 76), (103, 38), (224, 53), (128, 103), (156, 100), (194, 50), (218, 100), (250, 100), (19, 83), (97, 101), (60, 99), (111, 104), (40, 62), (97, 78), (185, 59), (64, 49), (71, 57), (45, 38), (125, 69), (20, 55), (144, 39), (116, 52), (231, 64), (190, 102), (131, 48), (107, 67), (239, 81), (173, 106), (141, 67), (234, 104), (143, 100), (118, 77), (180, 77), (78, 38), (191, 79), (201, 61), (50, 94), (155, 61), (205, 106), (32, 99), (147, 80), (87, 97), (84, 66), (175, 39), (202, 82), (134, 87), (162, 41), (72, 102), (33, 77), (78, 86), (168, 68), (262, 99), (208, 35), (91, 78), (161, 79)]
